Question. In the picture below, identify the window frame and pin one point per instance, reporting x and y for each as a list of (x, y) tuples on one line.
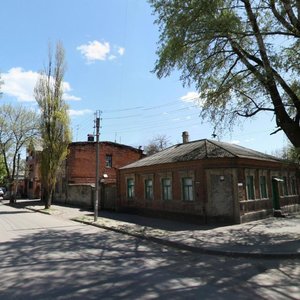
[(108, 161), (148, 188), (166, 189), (130, 188), (285, 186), (250, 187), (263, 187), (293, 186), (187, 189)]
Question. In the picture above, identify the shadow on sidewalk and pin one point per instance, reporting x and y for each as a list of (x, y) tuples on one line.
[(156, 223)]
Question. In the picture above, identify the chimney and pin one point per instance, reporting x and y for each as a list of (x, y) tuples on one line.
[(90, 138), (185, 137)]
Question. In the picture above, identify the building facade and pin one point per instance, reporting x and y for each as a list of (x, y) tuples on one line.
[(76, 184), (209, 180), (32, 179)]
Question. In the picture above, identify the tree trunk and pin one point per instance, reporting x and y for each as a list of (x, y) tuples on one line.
[(12, 195), (292, 131), (47, 198)]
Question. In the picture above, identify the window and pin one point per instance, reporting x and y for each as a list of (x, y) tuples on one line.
[(130, 188), (285, 186), (148, 189), (250, 187), (187, 189), (166, 189), (263, 187), (108, 161), (293, 184)]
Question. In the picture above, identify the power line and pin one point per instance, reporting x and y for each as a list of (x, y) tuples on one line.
[(167, 104)]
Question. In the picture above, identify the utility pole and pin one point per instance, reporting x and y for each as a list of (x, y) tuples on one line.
[(96, 202)]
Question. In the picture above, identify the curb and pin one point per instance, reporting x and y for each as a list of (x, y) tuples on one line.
[(195, 249), (180, 246), (39, 211)]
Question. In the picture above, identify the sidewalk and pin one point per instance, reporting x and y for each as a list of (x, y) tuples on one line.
[(272, 237)]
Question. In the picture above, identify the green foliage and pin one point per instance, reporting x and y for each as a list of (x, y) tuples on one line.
[(54, 121), (293, 154), (241, 55), (18, 126), (289, 153), (3, 172)]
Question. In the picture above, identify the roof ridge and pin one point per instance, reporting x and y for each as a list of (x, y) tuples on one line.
[(214, 143), (205, 143)]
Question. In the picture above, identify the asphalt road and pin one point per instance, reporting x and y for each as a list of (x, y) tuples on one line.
[(44, 257)]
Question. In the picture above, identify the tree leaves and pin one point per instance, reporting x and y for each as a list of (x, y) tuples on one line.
[(241, 55), (54, 121), (18, 126)]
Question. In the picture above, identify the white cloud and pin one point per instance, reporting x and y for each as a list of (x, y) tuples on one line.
[(73, 112), (193, 97), (121, 51), (68, 97), (20, 84), (190, 97), (111, 57), (97, 51)]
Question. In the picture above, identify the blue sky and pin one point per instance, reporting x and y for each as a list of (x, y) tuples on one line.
[(110, 52)]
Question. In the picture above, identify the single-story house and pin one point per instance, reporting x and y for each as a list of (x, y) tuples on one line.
[(209, 180)]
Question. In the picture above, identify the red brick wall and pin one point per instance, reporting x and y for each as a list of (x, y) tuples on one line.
[(81, 160), (177, 171), (33, 184)]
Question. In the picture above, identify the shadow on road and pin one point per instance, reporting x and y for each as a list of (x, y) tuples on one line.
[(74, 264), (157, 223)]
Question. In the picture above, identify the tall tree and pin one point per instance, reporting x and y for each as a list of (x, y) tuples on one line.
[(18, 126), (242, 56), (54, 123)]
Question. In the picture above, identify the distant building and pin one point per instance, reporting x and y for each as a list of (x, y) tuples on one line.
[(77, 175), (32, 174), (209, 180)]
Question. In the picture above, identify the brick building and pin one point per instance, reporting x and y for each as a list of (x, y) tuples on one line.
[(32, 180), (76, 183), (81, 161), (209, 180)]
